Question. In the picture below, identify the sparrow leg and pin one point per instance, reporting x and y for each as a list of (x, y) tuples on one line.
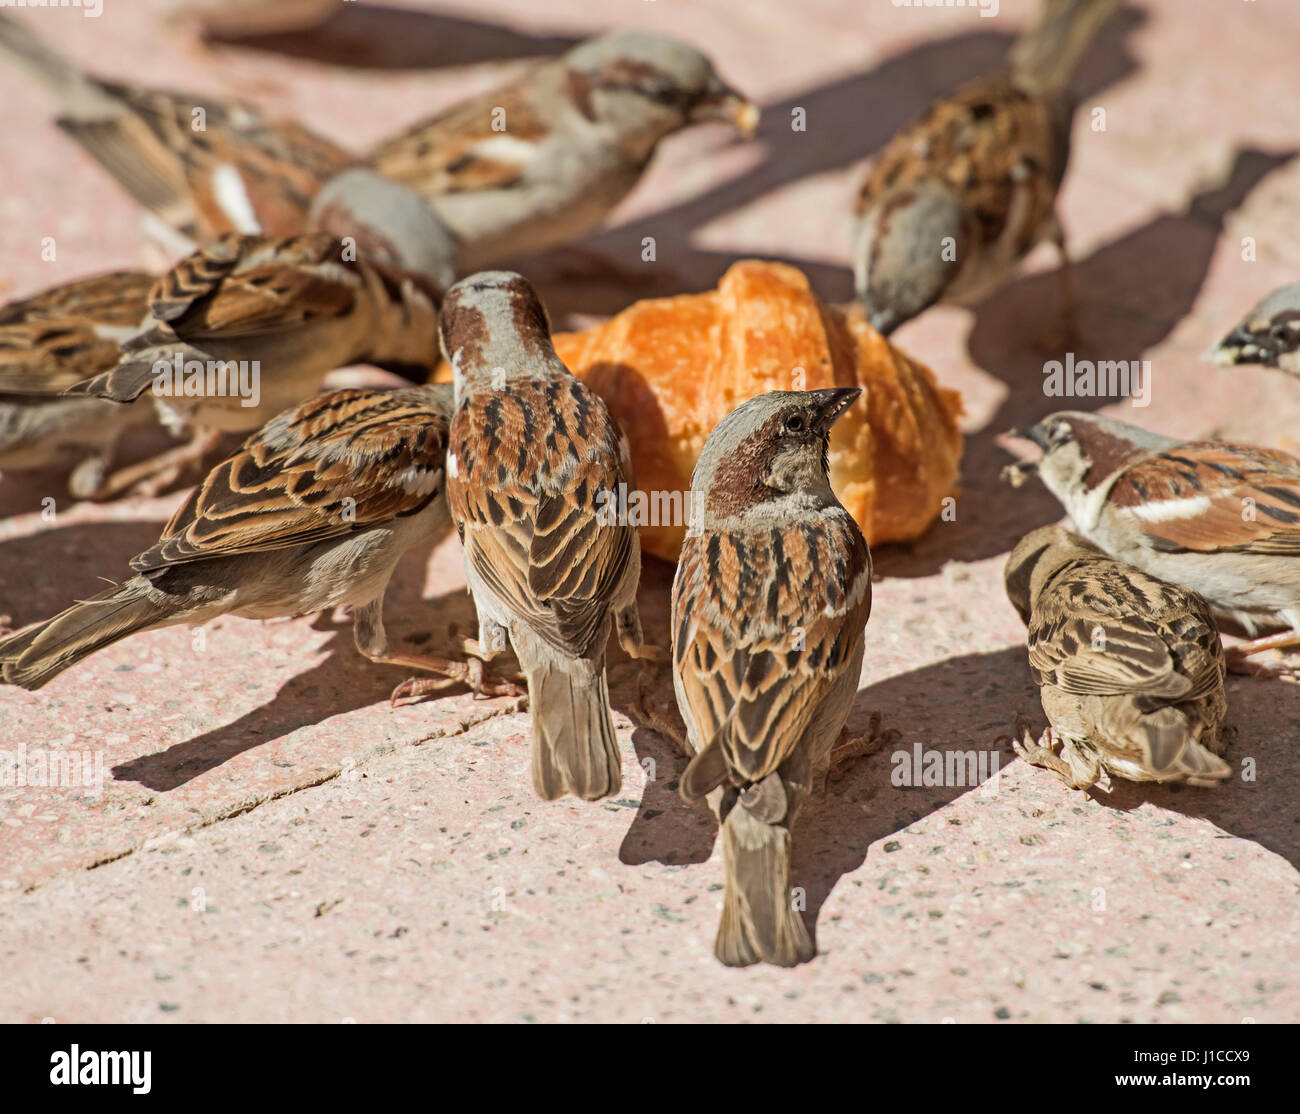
[(1067, 331), (492, 639), (1086, 769), (852, 747), (646, 711), (87, 477), (490, 642), (1239, 657), (155, 475), (372, 641), (627, 624), (1041, 753), (161, 244)]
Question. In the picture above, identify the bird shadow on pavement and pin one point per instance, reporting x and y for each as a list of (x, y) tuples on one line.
[(847, 120), (836, 829), (45, 572), (1132, 293), (1259, 802), (382, 37), (341, 682)]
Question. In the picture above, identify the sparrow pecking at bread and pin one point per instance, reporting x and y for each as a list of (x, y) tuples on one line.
[(312, 513), (770, 602), (249, 325), (49, 342), (201, 167), (1269, 334), (543, 159), (1220, 519), (1131, 668), (958, 198), (533, 460)]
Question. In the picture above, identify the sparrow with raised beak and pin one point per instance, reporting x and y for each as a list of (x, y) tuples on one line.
[(543, 159), (1130, 667), (1220, 519), (958, 198), (249, 325), (49, 342), (533, 461), (312, 513), (1269, 334), (202, 167), (770, 602)]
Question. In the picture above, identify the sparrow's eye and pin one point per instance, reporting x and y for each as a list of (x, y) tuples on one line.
[(794, 423)]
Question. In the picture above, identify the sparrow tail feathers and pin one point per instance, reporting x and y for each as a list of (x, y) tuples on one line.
[(37, 654), (759, 921), (1174, 751), (75, 89), (132, 376), (1044, 56), (574, 746)]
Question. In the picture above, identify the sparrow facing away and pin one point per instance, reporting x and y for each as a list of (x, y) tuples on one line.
[(543, 159), (533, 456), (1220, 519), (958, 198), (313, 512), (202, 167), (1269, 334), (283, 314), (770, 601), (1130, 667), (50, 341)]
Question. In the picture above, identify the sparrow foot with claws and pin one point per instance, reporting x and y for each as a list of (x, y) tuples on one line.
[(852, 747), (469, 673), (1042, 753)]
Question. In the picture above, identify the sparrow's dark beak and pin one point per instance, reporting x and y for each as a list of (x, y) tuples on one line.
[(832, 403), (721, 102), (1037, 434), (1239, 347), (1018, 473)]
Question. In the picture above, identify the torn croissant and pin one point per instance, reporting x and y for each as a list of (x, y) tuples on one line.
[(670, 368)]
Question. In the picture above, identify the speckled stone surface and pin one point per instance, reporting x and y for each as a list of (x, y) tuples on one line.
[(272, 842)]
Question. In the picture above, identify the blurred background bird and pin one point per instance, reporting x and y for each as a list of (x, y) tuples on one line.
[(1269, 334), (958, 198)]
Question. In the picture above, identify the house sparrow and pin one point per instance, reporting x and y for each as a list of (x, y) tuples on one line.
[(1220, 519), (1269, 334), (544, 159), (958, 198), (770, 600), (533, 460), (313, 512), (1130, 667), (200, 166), (266, 319), (52, 340)]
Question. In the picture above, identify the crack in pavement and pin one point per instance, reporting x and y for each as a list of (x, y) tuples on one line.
[(460, 727)]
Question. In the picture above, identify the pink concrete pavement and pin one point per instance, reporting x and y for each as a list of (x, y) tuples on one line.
[(273, 843)]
